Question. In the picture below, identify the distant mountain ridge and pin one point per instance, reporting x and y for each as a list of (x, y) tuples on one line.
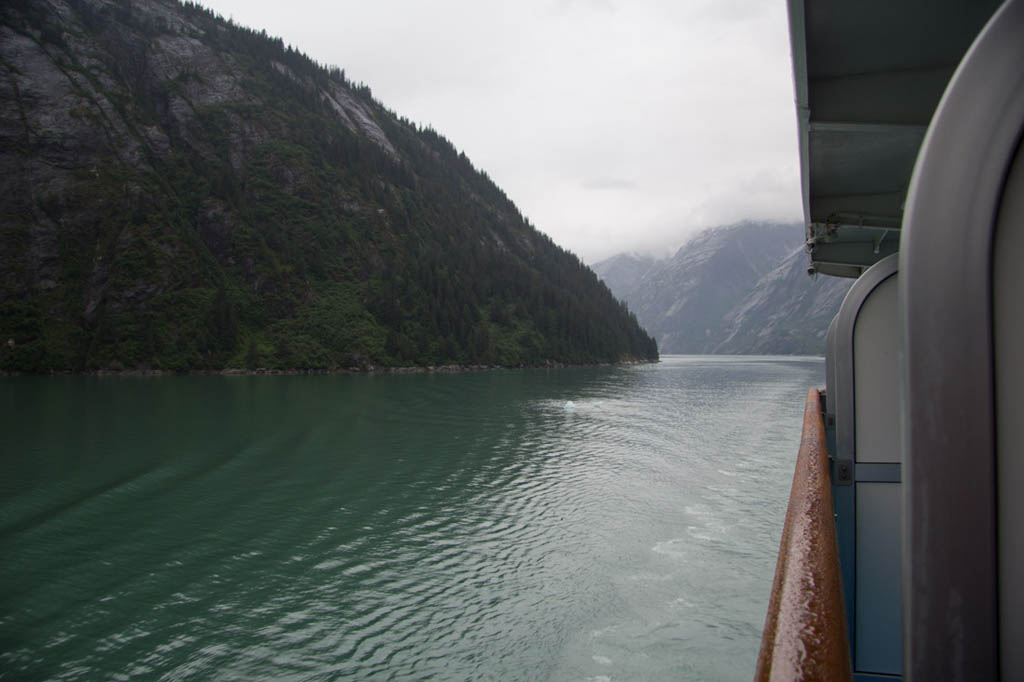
[(738, 289), (178, 192)]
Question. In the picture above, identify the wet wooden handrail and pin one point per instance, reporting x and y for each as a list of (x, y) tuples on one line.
[(805, 630)]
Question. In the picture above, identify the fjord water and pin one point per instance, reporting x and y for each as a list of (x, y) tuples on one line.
[(396, 527)]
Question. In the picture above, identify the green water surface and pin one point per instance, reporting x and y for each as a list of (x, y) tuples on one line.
[(614, 523)]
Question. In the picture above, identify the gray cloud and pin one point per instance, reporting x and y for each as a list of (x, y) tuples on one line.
[(687, 104), (609, 183)]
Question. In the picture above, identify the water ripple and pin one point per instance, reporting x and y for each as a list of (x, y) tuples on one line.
[(406, 527)]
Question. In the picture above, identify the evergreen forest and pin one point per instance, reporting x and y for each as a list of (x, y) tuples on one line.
[(182, 193)]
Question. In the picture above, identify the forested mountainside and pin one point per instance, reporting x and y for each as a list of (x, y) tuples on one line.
[(178, 192), (735, 289)]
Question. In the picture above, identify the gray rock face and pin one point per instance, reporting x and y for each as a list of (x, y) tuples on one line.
[(89, 97), (786, 312), (623, 272), (356, 117), (737, 289)]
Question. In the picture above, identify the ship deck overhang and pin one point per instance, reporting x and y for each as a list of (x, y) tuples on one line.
[(868, 77)]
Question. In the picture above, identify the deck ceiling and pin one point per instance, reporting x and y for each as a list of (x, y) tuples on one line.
[(868, 77)]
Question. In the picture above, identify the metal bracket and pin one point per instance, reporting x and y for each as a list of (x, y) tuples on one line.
[(821, 232), (843, 472)]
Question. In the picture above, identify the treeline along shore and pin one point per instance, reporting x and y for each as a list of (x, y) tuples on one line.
[(264, 371)]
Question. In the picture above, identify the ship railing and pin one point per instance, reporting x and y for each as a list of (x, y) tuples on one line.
[(805, 634)]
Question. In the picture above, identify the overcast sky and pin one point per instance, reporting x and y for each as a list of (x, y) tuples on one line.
[(614, 125)]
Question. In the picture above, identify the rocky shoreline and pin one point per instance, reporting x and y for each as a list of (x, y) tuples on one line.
[(371, 369)]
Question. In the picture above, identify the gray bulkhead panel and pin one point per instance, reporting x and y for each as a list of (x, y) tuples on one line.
[(960, 290), (877, 342), (865, 350), (1008, 332), (878, 629)]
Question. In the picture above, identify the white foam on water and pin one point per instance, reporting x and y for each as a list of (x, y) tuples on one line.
[(61, 638), (698, 510), (675, 548), (602, 660), (696, 534), (654, 577), (329, 565)]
